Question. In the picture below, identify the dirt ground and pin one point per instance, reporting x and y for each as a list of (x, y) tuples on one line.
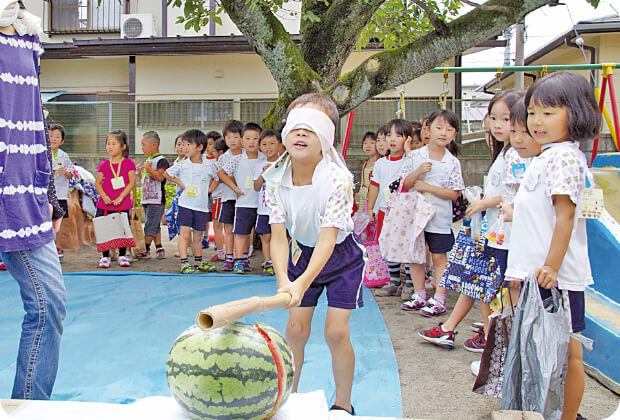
[(435, 383)]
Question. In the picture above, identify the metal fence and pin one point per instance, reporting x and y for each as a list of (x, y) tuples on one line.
[(87, 123), (92, 16)]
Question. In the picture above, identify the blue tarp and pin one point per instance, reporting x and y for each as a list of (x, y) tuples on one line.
[(120, 326)]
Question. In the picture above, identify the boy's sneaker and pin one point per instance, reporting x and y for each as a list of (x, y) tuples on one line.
[(104, 262), (205, 242), (389, 290), (406, 293), (227, 266), (123, 261), (238, 267), (477, 326), (268, 268), (144, 254), (476, 344), (61, 253), (206, 267), (415, 304), (187, 269), (433, 309), (438, 336), (246, 265), (160, 253)]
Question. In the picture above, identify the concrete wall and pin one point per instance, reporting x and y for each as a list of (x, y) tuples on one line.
[(86, 75)]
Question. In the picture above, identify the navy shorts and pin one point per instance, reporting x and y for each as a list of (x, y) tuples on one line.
[(262, 225), (195, 219), (439, 243), (577, 305), (227, 213), (342, 275), (245, 219)]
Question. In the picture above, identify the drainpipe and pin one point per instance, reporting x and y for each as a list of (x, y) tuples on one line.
[(592, 51), (164, 18)]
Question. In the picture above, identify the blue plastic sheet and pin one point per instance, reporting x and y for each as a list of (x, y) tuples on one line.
[(120, 326)]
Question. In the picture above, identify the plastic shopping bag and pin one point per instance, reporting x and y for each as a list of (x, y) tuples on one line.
[(537, 359), (472, 194)]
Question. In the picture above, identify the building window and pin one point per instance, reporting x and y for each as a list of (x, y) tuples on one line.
[(94, 16), (190, 114)]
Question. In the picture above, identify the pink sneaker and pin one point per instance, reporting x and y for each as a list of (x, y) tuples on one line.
[(433, 309), (124, 261), (104, 262), (415, 304), (2, 266)]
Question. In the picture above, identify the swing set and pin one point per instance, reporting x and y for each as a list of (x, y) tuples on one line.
[(608, 81)]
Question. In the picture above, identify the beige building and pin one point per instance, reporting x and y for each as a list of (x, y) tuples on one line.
[(100, 72)]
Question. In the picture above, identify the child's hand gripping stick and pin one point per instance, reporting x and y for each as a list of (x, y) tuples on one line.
[(219, 315)]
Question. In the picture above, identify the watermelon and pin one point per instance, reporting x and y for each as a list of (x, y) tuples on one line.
[(237, 371)]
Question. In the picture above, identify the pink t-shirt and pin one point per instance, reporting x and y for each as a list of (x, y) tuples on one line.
[(126, 166)]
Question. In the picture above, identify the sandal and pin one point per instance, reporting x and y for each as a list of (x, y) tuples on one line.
[(337, 407)]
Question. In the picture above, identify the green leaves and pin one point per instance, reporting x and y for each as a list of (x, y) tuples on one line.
[(399, 22)]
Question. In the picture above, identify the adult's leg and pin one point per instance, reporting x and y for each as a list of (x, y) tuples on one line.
[(343, 358), (297, 333), (43, 294)]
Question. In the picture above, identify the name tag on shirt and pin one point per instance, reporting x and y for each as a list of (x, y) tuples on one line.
[(518, 170), (118, 183), (295, 251), (591, 204), (191, 189), (249, 183)]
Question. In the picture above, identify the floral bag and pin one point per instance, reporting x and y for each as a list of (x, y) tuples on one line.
[(402, 236), (377, 273)]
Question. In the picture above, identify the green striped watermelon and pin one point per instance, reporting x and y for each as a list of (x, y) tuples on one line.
[(237, 371)]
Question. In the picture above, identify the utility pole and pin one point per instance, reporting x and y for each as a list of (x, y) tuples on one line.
[(520, 55)]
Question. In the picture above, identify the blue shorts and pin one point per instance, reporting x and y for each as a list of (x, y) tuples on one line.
[(439, 243), (262, 225), (195, 219), (577, 305), (227, 213), (342, 275), (245, 219)]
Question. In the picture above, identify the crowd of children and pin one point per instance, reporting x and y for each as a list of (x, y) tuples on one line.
[(247, 182)]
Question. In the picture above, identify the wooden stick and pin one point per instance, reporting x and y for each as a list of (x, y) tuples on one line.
[(219, 315)]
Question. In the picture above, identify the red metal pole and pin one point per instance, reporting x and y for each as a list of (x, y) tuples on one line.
[(614, 105), (601, 104), (347, 135)]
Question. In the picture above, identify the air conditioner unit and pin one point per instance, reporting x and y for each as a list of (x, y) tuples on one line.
[(137, 25)]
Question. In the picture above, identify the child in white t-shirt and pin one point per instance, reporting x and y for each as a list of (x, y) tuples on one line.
[(216, 188), (435, 171), (270, 142), (385, 172), (62, 168), (548, 237), (193, 175), (310, 194), (242, 184), (500, 109)]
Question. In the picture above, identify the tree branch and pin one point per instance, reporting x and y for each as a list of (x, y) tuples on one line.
[(496, 8), (327, 44), (275, 46), (440, 26), (389, 69)]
